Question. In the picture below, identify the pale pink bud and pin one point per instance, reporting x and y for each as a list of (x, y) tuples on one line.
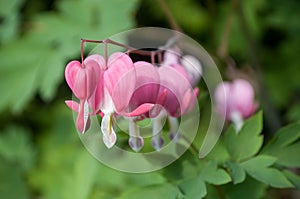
[(235, 100)]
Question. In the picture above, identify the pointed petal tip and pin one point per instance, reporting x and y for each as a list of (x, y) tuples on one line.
[(158, 142), (109, 140), (144, 108), (136, 143), (72, 105), (82, 128)]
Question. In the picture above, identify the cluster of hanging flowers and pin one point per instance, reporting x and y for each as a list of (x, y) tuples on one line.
[(115, 86)]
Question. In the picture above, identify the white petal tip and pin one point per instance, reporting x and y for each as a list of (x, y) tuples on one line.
[(136, 143), (158, 142), (110, 140)]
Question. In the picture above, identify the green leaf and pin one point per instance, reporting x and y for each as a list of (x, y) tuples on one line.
[(10, 19), (259, 168), (214, 175), (285, 146), (34, 63), (294, 178), (293, 114), (249, 189), (166, 191), (63, 164), (236, 172), (15, 147), (12, 185), (248, 141), (193, 188)]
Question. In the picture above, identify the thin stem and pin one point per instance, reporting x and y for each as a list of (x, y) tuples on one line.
[(169, 15), (130, 49), (192, 147), (159, 57), (109, 41), (82, 41), (220, 192), (105, 53), (152, 54), (223, 48), (271, 114)]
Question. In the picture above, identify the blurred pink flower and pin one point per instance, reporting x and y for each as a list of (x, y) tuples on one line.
[(235, 101)]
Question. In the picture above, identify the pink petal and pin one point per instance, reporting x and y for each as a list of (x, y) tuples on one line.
[(80, 84), (96, 99), (222, 99), (158, 107), (190, 100), (83, 119), (72, 105), (71, 71), (144, 108), (99, 59), (93, 74), (176, 83), (242, 97), (119, 79), (147, 85), (119, 64)]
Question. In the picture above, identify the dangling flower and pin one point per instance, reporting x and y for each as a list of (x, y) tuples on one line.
[(146, 92), (180, 99), (117, 87), (82, 79), (235, 101), (120, 83)]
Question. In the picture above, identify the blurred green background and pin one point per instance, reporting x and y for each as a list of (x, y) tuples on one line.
[(41, 155)]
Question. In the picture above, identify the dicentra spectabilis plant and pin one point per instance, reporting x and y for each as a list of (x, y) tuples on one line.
[(119, 89), (115, 87)]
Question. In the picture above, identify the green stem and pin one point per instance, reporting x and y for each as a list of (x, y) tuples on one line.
[(174, 25)]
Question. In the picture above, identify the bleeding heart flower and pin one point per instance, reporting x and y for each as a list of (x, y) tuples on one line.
[(121, 80), (146, 92), (138, 90), (190, 64), (82, 79), (180, 97), (235, 101)]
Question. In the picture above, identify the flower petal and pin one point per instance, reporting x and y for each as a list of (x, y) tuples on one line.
[(136, 142), (144, 108), (72, 105), (109, 135), (193, 68), (119, 80), (222, 99), (83, 119), (71, 71)]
